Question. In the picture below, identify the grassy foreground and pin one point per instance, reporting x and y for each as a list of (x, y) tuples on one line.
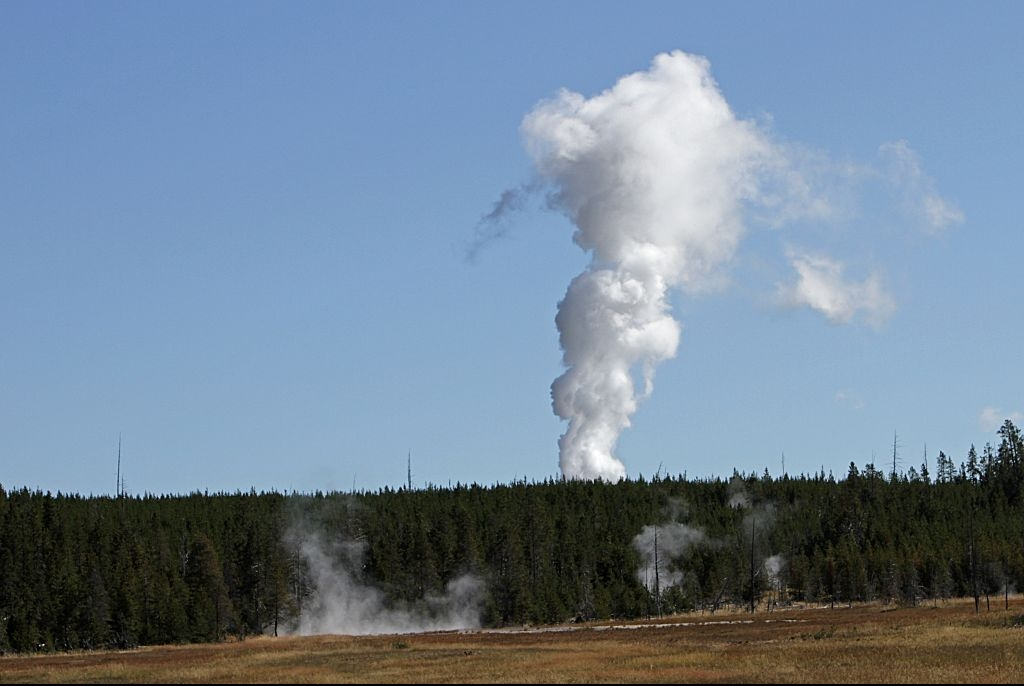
[(868, 643)]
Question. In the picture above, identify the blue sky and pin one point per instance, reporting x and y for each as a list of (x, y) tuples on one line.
[(235, 234)]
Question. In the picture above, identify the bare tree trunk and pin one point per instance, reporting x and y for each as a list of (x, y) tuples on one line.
[(753, 530), (718, 598), (657, 576), (974, 565)]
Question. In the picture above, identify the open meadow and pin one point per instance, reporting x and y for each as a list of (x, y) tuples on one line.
[(867, 643)]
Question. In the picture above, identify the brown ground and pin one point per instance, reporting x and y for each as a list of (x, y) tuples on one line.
[(869, 643)]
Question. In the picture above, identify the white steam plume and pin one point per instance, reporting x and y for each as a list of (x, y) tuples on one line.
[(658, 174), (653, 173), (738, 497), (774, 566), (659, 548), (341, 604)]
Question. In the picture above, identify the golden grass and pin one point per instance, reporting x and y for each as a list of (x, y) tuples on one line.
[(869, 643)]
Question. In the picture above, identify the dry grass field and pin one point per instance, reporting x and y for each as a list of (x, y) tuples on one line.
[(869, 643)]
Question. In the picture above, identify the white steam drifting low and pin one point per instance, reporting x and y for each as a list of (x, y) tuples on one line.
[(653, 173), (340, 603), (659, 548)]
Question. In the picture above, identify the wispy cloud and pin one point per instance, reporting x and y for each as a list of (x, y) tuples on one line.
[(821, 286), (850, 399), (902, 169), (494, 225), (991, 418)]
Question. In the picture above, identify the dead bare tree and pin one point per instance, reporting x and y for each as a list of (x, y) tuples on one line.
[(657, 575), (753, 531)]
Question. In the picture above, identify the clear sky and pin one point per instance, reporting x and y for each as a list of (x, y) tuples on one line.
[(236, 233)]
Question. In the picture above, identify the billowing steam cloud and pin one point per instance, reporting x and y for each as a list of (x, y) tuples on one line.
[(653, 173), (659, 548), (657, 174), (773, 567), (339, 603)]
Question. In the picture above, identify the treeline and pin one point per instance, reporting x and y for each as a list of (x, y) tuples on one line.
[(78, 572)]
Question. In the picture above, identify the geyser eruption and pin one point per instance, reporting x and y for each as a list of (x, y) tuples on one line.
[(653, 173)]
